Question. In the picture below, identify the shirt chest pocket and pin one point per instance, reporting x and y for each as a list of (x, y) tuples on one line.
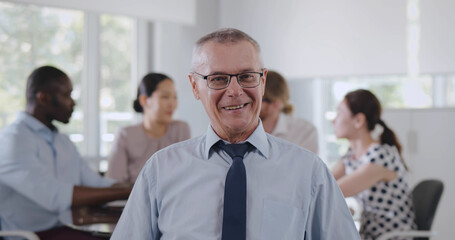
[(282, 221)]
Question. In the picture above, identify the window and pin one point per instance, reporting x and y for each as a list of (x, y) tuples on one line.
[(450, 90), (116, 88), (30, 37), (33, 36)]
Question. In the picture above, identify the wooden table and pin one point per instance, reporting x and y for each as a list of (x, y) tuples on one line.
[(100, 221)]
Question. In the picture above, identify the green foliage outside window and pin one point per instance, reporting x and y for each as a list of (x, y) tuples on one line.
[(32, 36)]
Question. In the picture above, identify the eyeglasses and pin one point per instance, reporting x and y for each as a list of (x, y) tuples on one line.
[(221, 81)]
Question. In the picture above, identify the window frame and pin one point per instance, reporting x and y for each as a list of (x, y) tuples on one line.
[(90, 148)]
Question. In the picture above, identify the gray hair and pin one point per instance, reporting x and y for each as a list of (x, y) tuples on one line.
[(224, 36)]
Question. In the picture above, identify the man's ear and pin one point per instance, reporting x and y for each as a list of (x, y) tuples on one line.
[(43, 98), (193, 82)]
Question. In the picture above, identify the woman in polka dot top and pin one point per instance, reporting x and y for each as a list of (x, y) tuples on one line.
[(372, 170)]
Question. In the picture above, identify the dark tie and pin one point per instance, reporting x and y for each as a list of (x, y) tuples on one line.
[(234, 212)]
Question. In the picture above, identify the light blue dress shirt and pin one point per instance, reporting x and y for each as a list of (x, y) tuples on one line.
[(38, 169), (290, 191)]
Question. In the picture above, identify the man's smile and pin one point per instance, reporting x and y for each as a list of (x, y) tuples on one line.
[(235, 107)]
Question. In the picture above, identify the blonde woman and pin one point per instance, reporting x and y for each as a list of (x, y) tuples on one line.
[(277, 119)]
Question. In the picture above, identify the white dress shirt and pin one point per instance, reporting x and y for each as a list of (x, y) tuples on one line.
[(38, 170)]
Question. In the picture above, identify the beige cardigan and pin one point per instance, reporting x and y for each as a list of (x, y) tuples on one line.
[(132, 148)]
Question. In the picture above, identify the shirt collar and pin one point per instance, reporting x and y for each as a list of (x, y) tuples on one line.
[(35, 125), (281, 126), (258, 139)]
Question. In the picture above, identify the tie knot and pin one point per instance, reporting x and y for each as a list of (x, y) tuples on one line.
[(235, 150)]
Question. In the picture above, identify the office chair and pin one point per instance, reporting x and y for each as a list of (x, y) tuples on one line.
[(426, 196), (24, 234)]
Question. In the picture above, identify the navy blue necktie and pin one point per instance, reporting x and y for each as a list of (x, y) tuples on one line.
[(234, 211)]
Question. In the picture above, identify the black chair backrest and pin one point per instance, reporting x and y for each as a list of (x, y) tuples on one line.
[(426, 196)]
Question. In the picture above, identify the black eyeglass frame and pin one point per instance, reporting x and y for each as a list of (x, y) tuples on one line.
[(205, 77)]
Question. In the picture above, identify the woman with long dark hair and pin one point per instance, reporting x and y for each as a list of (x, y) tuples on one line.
[(134, 145), (372, 170)]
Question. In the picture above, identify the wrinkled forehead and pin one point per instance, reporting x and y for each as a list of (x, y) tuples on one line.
[(225, 57)]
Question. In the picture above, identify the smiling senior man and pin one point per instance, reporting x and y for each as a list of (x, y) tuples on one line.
[(235, 182)]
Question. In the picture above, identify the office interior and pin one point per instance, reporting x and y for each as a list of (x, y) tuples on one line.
[(402, 50)]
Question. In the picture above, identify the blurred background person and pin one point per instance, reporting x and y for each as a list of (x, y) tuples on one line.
[(134, 145), (372, 170), (42, 174), (277, 119)]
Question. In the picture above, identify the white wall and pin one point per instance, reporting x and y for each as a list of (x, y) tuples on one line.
[(437, 52), (427, 136), (324, 38)]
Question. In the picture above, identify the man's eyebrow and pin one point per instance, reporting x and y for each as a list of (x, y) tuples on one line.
[(225, 73)]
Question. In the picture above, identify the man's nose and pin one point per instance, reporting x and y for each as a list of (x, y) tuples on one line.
[(234, 86)]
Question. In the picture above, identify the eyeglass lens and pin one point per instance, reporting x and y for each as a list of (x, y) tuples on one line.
[(246, 80)]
